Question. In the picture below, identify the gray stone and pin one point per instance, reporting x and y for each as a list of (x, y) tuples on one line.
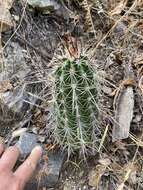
[(16, 103), (49, 6), (120, 29), (54, 166), (137, 118), (48, 172), (15, 58), (107, 90), (26, 143), (12, 105), (35, 130), (44, 4), (123, 114), (41, 139)]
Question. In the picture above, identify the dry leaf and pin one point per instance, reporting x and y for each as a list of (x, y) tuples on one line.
[(141, 84), (118, 9), (112, 4), (137, 140), (5, 85), (138, 59), (138, 62), (105, 161), (5, 16), (124, 114), (140, 26), (120, 145), (140, 3), (130, 175), (129, 82), (96, 174), (6, 3), (18, 132)]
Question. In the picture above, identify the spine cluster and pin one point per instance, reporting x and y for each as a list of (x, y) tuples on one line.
[(76, 106)]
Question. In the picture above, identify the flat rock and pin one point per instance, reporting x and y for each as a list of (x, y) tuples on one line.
[(16, 96), (26, 143), (49, 6), (5, 19), (137, 118), (124, 114), (49, 168), (15, 59), (48, 172), (16, 103), (44, 4)]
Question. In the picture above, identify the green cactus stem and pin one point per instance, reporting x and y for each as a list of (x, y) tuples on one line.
[(76, 106)]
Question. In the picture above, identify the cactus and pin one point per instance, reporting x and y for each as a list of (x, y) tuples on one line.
[(76, 106)]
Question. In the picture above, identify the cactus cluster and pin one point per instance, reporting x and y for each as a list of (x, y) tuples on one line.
[(76, 106)]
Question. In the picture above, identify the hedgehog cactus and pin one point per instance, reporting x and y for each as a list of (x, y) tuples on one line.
[(76, 106)]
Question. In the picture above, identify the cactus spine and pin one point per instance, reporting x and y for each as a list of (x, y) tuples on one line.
[(76, 105)]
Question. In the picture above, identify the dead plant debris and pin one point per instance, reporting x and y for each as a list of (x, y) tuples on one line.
[(110, 34)]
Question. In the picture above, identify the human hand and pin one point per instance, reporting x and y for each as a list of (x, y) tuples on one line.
[(16, 180)]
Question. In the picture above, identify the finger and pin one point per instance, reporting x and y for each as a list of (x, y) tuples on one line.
[(25, 171), (9, 157), (1, 149)]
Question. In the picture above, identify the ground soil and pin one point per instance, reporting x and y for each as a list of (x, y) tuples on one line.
[(40, 35)]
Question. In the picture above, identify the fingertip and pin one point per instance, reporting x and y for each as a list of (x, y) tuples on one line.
[(37, 151)]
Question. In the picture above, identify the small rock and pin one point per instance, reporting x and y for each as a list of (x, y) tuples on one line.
[(69, 185), (48, 141), (26, 143), (137, 118), (107, 90), (18, 132), (41, 132), (44, 4), (92, 178), (48, 6), (15, 58), (48, 172), (85, 187), (41, 139), (17, 102), (120, 29), (35, 130), (16, 18), (123, 114)]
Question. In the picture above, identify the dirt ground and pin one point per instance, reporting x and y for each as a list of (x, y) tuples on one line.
[(112, 31)]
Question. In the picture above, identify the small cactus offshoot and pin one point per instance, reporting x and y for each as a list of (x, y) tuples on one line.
[(76, 106)]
